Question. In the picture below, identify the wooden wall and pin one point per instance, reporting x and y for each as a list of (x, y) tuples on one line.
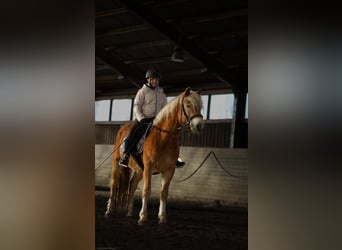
[(215, 180), (215, 134)]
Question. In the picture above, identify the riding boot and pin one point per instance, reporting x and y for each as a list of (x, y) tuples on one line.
[(180, 163), (124, 161)]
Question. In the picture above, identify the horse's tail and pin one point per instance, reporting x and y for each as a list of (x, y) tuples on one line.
[(123, 189), (120, 175)]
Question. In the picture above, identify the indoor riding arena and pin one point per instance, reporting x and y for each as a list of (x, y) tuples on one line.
[(198, 44), (207, 206)]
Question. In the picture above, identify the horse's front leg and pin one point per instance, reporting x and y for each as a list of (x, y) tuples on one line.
[(146, 193), (165, 183)]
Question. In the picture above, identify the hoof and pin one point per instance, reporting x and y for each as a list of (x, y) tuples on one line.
[(107, 215), (129, 214), (162, 220), (142, 221)]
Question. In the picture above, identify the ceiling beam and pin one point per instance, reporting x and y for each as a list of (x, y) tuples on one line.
[(111, 12), (128, 72), (154, 60), (168, 3), (221, 35), (210, 18), (140, 45), (214, 66), (123, 30), (188, 72), (115, 93), (212, 88), (103, 67)]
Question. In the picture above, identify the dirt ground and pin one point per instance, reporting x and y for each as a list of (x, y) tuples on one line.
[(190, 226)]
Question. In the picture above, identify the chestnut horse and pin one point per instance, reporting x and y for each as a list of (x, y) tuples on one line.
[(160, 153)]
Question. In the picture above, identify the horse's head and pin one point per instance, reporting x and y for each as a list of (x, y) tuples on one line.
[(191, 109)]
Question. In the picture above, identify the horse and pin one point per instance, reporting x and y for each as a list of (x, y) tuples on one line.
[(159, 155)]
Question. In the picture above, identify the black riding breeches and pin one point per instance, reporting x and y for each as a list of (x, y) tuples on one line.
[(137, 131)]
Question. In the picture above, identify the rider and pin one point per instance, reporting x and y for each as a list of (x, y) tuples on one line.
[(148, 101)]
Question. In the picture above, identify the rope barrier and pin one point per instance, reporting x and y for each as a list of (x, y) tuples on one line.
[(193, 173), (195, 170), (232, 175), (98, 166), (205, 159)]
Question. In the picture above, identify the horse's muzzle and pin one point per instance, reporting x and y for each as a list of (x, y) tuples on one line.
[(197, 125)]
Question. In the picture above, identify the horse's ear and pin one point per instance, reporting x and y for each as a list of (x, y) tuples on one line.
[(199, 91), (187, 92)]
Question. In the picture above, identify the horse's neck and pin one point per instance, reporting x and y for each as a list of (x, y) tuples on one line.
[(169, 127), (170, 122)]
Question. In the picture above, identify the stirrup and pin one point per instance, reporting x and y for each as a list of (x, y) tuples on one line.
[(124, 162)]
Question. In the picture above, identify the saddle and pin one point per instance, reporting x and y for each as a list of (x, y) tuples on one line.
[(139, 145)]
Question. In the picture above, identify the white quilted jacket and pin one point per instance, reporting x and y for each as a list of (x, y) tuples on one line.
[(148, 102)]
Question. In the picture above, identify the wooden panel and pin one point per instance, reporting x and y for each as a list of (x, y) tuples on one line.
[(214, 134), (105, 134), (213, 182)]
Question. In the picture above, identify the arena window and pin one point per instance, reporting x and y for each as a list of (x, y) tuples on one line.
[(221, 106), (102, 110), (121, 110)]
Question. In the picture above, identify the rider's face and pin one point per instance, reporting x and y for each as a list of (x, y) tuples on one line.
[(153, 81)]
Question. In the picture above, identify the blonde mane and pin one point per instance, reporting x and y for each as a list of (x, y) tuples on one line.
[(167, 110)]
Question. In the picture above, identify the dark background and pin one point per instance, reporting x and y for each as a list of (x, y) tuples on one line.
[(47, 129)]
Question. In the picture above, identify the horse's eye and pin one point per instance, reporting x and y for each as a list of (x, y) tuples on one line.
[(188, 106)]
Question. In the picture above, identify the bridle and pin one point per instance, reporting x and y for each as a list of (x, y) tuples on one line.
[(188, 119), (186, 115)]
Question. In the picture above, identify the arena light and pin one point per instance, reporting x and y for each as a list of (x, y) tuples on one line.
[(177, 55)]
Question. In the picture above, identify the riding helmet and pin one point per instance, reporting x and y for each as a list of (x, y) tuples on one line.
[(152, 72)]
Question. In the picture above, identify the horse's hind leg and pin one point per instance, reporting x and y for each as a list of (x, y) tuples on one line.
[(113, 189), (134, 181), (165, 183), (111, 199)]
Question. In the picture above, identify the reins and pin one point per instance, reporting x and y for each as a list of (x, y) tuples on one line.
[(169, 131)]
